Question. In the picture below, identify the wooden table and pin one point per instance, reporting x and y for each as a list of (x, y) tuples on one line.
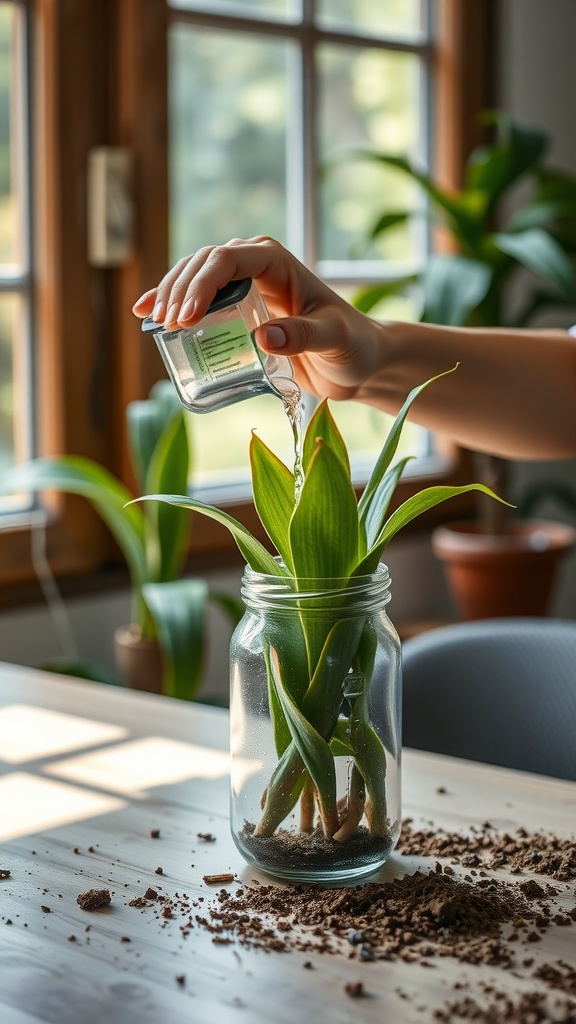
[(88, 773)]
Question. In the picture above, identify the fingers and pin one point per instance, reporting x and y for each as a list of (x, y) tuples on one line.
[(186, 291)]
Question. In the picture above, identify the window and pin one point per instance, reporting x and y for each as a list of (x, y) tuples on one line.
[(124, 74), (16, 404), (268, 102)]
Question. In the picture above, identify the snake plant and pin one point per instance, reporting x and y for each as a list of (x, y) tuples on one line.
[(324, 533)]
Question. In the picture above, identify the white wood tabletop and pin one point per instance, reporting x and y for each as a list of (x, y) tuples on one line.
[(88, 773)]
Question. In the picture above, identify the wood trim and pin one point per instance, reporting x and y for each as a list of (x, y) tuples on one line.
[(140, 122), (465, 82)]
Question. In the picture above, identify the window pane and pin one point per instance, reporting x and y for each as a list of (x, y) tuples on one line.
[(281, 10), (368, 99), (373, 17), (220, 443), (228, 108), (15, 427), (11, 233)]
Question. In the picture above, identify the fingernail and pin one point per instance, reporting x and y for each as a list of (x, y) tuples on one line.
[(158, 312), (275, 337), (187, 310), (172, 315)]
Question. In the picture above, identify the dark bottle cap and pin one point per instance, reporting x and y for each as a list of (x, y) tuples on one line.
[(230, 294)]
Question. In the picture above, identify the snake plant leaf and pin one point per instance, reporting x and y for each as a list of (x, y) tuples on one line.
[(453, 287), (370, 492), (409, 510), (537, 250), (178, 608), (333, 658), (145, 423), (324, 527), (377, 508), (365, 299), (168, 526), (254, 553), (323, 425), (273, 491), (313, 749), (78, 475)]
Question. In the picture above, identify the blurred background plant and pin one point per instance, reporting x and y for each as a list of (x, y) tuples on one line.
[(168, 607), (508, 241)]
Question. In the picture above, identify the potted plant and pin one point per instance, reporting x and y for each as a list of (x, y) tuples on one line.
[(471, 286), (315, 737), (163, 647)]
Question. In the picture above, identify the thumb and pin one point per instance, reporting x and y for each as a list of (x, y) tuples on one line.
[(294, 335)]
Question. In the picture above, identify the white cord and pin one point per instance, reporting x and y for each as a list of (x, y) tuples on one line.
[(49, 587)]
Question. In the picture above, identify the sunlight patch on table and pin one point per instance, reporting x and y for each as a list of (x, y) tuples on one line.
[(28, 733), (141, 764), (31, 805)]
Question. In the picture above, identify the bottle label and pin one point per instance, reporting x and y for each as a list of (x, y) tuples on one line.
[(222, 350)]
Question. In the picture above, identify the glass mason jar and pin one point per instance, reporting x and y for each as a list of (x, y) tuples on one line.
[(315, 727)]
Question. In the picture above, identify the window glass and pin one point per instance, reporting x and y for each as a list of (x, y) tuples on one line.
[(391, 17), (15, 392), (258, 145), (228, 125), (368, 99)]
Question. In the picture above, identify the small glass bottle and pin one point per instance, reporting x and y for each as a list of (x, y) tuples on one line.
[(217, 362), (315, 727)]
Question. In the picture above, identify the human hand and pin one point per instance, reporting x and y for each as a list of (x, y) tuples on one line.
[(333, 347)]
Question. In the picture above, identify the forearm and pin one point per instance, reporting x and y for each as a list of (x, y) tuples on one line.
[(514, 393)]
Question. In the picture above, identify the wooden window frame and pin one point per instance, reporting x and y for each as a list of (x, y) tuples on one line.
[(100, 78)]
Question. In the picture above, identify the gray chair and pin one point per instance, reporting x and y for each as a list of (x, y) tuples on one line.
[(501, 691)]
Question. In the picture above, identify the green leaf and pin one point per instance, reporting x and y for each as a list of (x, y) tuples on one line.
[(377, 508), (408, 511), (462, 216), (492, 169), (251, 549), (537, 250), (389, 220), (375, 492), (178, 608), (145, 422), (313, 749), (322, 425), (78, 475), (542, 212), (273, 490), (168, 526), (366, 298), (324, 527), (453, 287)]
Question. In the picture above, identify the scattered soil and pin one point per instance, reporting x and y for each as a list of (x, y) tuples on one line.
[(93, 899), (485, 847)]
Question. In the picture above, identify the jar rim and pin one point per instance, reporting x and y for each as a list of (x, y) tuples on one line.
[(257, 586)]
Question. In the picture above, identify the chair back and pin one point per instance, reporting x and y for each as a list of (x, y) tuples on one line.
[(502, 691)]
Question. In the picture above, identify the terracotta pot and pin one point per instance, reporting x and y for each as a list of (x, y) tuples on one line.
[(494, 576), (138, 660)]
